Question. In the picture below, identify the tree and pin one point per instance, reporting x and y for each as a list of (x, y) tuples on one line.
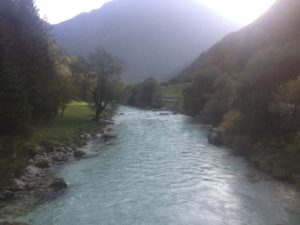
[(145, 94), (84, 79), (287, 104), (199, 92), (27, 79), (107, 69), (65, 87)]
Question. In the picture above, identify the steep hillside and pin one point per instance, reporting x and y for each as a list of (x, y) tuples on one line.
[(152, 37), (278, 26), (248, 86)]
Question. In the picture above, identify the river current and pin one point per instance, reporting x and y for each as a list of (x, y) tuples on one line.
[(162, 171)]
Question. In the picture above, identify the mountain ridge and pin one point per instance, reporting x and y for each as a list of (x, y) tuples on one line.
[(151, 39), (231, 54)]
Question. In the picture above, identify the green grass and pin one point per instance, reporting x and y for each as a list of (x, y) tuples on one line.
[(173, 91), (64, 129)]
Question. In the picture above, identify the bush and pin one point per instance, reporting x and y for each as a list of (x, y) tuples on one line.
[(234, 132)]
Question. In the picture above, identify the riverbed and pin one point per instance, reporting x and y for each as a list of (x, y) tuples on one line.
[(162, 171)]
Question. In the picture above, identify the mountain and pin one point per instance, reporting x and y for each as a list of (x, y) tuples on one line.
[(248, 86), (151, 37), (279, 25)]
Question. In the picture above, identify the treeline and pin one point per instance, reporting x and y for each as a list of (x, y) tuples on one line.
[(144, 94), (38, 80), (248, 86), (257, 110)]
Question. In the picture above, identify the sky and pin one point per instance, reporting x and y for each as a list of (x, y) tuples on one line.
[(240, 11)]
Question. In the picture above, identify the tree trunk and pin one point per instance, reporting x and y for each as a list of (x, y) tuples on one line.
[(63, 107)]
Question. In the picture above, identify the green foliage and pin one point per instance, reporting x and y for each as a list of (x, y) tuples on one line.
[(287, 106), (257, 108), (233, 131), (107, 69), (264, 75), (220, 101), (145, 94), (199, 92)]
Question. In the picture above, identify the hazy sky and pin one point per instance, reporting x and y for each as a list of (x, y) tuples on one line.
[(239, 11)]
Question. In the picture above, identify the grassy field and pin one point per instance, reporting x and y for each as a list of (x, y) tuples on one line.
[(172, 91), (64, 129)]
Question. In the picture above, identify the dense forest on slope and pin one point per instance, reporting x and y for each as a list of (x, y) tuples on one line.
[(152, 37), (248, 86), (37, 82)]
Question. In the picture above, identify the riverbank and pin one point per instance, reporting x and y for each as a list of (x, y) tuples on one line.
[(274, 157), (50, 145), (161, 170)]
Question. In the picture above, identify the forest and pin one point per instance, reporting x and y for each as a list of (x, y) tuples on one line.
[(38, 80), (247, 86)]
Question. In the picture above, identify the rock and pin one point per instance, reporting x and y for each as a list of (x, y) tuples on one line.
[(108, 136), (214, 137), (32, 171), (7, 195), (19, 185), (61, 156), (252, 178), (58, 184), (108, 122), (79, 154), (109, 129), (43, 164), (164, 114), (12, 223), (121, 114)]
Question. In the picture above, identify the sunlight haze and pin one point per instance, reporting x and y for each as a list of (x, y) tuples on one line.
[(241, 12)]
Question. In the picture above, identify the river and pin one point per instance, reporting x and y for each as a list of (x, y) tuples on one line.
[(161, 171)]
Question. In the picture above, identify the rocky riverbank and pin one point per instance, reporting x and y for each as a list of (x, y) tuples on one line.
[(38, 182)]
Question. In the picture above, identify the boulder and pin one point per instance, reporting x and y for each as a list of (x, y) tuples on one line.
[(108, 136), (164, 114), (7, 195), (79, 153), (58, 184), (109, 129), (43, 164), (32, 171), (107, 122), (214, 137), (19, 185), (61, 156)]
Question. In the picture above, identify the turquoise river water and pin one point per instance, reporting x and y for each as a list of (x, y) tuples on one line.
[(161, 171)]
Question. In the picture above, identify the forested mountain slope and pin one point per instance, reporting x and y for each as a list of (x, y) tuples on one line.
[(279, 25), (248, 85)]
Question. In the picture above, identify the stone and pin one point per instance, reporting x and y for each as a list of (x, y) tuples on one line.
[(109, 129), (19, 184), (43, 164), (60, 156), (79, 153), (7, 195), (214, 137), (164, 114), (108, 122), (108, 136), (32, 171), (58, 184)]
